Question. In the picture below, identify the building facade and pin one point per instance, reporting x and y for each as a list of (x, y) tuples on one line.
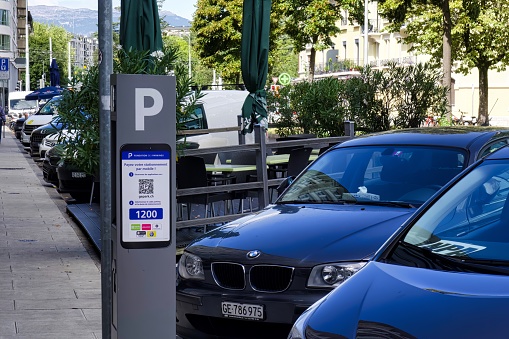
[(15, 20), (348, 52), (84, 51)]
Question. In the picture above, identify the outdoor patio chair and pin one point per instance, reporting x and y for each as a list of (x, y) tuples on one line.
[(192, 173)]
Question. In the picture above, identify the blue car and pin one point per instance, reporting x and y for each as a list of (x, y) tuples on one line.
[(444, 274), (255, 276)]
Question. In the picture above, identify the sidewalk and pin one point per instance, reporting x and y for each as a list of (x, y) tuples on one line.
[(50, 281)]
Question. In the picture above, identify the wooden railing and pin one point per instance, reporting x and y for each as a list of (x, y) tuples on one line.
[(262, 185)]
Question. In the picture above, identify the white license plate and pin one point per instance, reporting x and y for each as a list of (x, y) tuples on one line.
[(242, 311), (78, 174)]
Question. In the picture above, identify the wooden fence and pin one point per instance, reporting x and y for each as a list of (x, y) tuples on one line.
[(263, 184)]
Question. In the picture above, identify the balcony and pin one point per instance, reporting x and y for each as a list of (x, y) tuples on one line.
[(22, 22), (22, 3), (22, 43), (404, 61)]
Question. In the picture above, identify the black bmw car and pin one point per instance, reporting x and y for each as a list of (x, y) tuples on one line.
[(253, 277)]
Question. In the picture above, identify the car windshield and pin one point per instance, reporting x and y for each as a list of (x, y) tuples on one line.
[(385, 175), (50, 107), (470, 222), (21, 104)]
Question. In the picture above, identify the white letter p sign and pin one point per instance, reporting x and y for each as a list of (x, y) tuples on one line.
[(141, 111)]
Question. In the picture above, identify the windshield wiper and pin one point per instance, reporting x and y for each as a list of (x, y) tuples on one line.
[(386, 203), (489, 262)]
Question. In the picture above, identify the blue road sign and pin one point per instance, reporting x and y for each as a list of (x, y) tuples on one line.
[(4, 68)]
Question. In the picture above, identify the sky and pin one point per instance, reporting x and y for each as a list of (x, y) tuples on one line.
[(183, 8)]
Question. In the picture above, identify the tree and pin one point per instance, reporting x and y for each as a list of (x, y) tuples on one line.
[(40, 52), (218, 28), (399, 12), (282, 57), (217, 25), (313, 22), (479, 38), (483, 43)]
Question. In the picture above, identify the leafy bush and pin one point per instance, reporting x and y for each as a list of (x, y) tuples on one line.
[(377, 100), (79, 107)]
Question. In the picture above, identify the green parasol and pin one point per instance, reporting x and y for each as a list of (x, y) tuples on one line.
[(254, 60), (140, 28)]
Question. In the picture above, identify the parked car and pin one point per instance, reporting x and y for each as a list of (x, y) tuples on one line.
[(42, 117), (38, 134), (17, 127), (445, 273), (50, 164), (79, 184), (51, 140), (254, 276)]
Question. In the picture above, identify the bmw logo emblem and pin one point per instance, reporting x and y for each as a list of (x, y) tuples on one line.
[(253, 254)]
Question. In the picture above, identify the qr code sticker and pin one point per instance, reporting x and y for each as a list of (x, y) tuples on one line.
[(146, 186)]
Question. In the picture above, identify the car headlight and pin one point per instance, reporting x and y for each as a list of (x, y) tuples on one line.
[(332, 275), (191, 267)]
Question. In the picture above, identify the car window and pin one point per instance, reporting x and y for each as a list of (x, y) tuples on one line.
[(471, 220), (377, 173), (50, 108), (20, 104), (492, 147), (196, 120)]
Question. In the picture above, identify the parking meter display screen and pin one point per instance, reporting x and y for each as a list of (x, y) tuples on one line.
[(145, 195)]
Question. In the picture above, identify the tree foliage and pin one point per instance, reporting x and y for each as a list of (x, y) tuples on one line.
[(398, 97), (40, 52), (479, 38), (314, 23), (82, 150), (217, 25), (218, 28)]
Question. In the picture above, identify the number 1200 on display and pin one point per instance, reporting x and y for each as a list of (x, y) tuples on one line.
[(145, 213)]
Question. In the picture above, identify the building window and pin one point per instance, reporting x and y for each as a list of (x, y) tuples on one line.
[(4, 17), (5, 42), (344, 18)]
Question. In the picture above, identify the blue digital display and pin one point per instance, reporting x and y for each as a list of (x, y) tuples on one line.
[(145, 213)]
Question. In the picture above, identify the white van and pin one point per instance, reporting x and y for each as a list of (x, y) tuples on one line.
[(217, 109), (18, 107)]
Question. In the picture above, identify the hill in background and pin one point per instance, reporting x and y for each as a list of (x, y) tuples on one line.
[(83, 21)]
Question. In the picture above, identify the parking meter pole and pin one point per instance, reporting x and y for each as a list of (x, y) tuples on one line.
[(105, 38), (143, 233)]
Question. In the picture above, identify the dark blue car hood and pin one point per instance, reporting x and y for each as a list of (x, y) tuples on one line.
[(306, 233), (415, 302)]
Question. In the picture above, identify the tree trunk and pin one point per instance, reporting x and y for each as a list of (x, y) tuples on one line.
[(446, 54), (312, 57), (482, 117)]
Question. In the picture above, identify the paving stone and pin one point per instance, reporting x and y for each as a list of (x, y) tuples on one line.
[(50, 287)]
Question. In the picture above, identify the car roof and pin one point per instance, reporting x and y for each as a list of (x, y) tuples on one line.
[(454, 136)]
